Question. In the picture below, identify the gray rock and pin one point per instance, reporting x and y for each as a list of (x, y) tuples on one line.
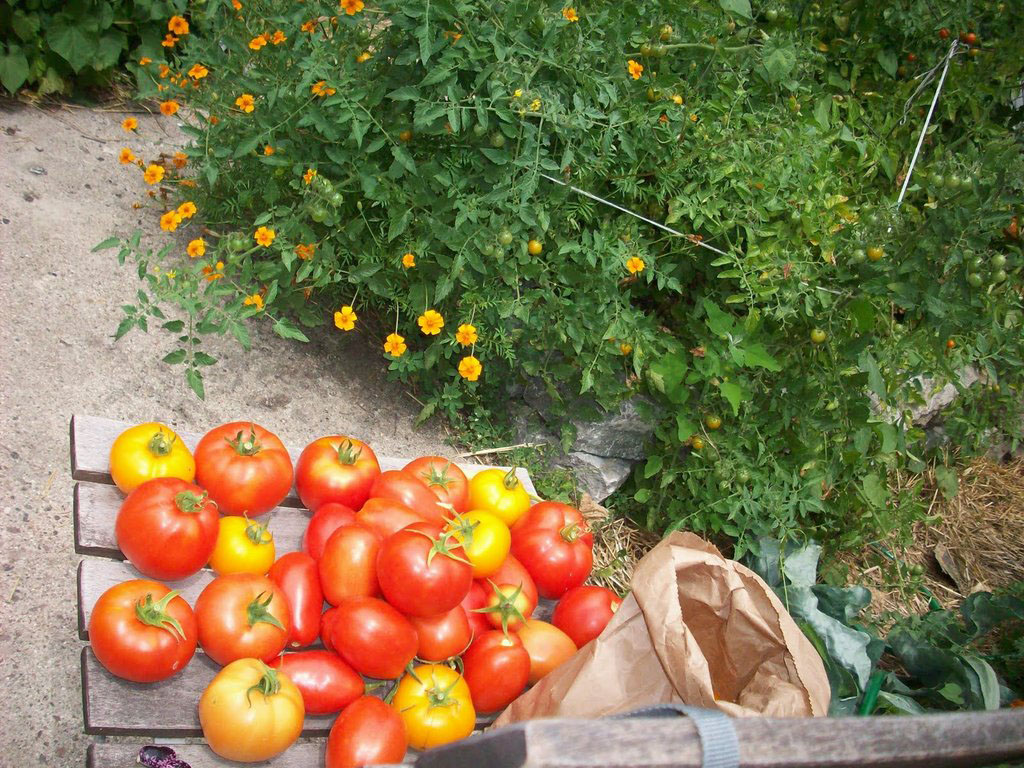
[(599, 476), (621, 434), (939, 398)]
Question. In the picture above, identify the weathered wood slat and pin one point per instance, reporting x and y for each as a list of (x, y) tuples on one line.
[(92, 436), (303, 754)]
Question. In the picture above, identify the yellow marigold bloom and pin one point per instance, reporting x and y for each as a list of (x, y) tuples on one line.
[(364, 56), (517, 94), (246, 103), (470, 368), (210, 274), (352, 6), (635, 69), (677, 99), (535, 105), (144, 61), (254, 300), (198, 72), (168, 41), (153, 174), (466, 334), (345, 318), (164, 71), (569, 14), (309, 175), (268, 150), (693, 117), (409, 260), (258, 42), (625, 348), (305, 252), (431, 322), (168, 107), (180, 159), (187, 209), (196, 248), (278, 38), (635, 264), (394, 345), (126, 156), (264, 236), (170, 221), (129, 124), (178, 25), (308, 26), (171, 275)]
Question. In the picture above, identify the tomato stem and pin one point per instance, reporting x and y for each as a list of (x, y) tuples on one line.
[(189, 503), (257, 611), (257, 532), (159, 444), (268, 685), (571, 532), (510, 481), (348, 453), (156, 615), (506, 607), (245, 447)]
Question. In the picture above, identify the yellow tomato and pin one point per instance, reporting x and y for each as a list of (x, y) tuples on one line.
[(243, 546), (146, 451), (485, 539), (535, 247), (434, 703), (250, 712), (500, 492)]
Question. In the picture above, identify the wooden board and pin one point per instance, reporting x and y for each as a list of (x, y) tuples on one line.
[(92, 436), (302, 754)]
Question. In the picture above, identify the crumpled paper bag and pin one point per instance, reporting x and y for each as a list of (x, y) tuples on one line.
[(696, 629)]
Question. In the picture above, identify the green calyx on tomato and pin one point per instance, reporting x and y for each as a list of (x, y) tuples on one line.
[(571, 532), (257, 533), (159, 444), (443, 545), (510, 481), (156, 615), (257, 612), (243, 447), (190, 503), (505, 608), (348, 453), (268, 685), (435, 479), (435, 695)]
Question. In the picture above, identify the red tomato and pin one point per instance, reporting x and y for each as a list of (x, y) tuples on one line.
[(167, 528), (325, 521), (242, 615), (335, 468), (327, 683), (496, 668), (327, 626), (442, 636), (406, 488), (296, 574), (443, 478), (373, 637), (142, 631), (477, 598), (547, 645), (367, 732), (555, 544), (422, 571), (244, 468), (507, 607), (512, 572), (584, 612), (348, 567), (386, 516)]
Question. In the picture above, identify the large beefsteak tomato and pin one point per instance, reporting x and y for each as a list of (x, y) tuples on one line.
[(496, 668), (335, 468), (423, 571), (348, 565), (244, 468), (584, 612), (242, 615), (325, 521), (406, 488), (555, 544), (373, 637), (445, 479), (147, 451)]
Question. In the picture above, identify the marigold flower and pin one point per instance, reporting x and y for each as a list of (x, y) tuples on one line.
[(570, 15), (431, 322), (352, 6), (625, 348), (168, 41), (394, 345), (144, 61), (278, 37), (693, 117), (309, 175), (254, 300), (168, 107), (321, 89), (635, 264), (170, 221), (364, 56), (246, 103), (198, 72), (211, 275), (129, 124), (308, 26), (196, 248), (305, 252), (187, 209), (345, 318), (409, 260), (153, 174), (236, 5), (178, 25), (535, 105), (264, 236), (214, 119), (466, 334), (126, 156), (470, 368), (258, 42), (635, 69), (180, 159), (171, 275), (517, 93), (268, 150)]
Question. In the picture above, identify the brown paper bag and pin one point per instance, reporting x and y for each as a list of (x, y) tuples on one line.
[(696, 629)]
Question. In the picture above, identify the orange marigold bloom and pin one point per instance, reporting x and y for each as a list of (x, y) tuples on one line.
[(466, 334), (144, 61), (187, 209), (431, 322), (198, 72), (178, 25), (625, 348), (364, 56), (352, 6), (394, 345), (168, 107), (236, 5), (570, 15), (170, 221), (129, 124), (635, 264), (126, 156), (308, 26), (635, 69), (409, 260), (153, 174), (470, 368), (180, 159), (254, 300), (268, 150), (309, 175), (214, 119), (168, 41), (210, 274), (278, 38), (164, 71), (305, 252), (321, 89), (264, 236), (345, 318), (258, 42), (196, 248), (246, 103)]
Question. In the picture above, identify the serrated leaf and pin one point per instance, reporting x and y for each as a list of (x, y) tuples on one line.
[(286, 330), (175, 357), (195, 381), (685, 428), (110, 242), (874, 491), (755, 355), (737, 7), (174, 326), (425, 412), (947, 480), (405, 93), (201, 358), (733, 394), (123, 327)]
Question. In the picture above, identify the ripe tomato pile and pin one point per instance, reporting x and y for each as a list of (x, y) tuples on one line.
[(429, 579)]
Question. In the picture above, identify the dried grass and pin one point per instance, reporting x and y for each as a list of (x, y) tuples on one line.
[(618, 545)]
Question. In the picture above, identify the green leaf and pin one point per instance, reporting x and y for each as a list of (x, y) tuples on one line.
[(423, 36), (874, 491), (739, 8), (666, 375), (126, 324), (426, 412), (195, 381), (642, 495), (947, 480), (986, 679), (174, 326), (685, 427), (72, 43), (405, 93), (175, 357), (734, 394), (109, 49), (286, 329), (247, 146), (110, 242), (888, 62), (876, 383), (13, 69), (757, 355), (720, 323), (25, 26), (779, 63), (863, 313), (201, 358), (653, 465)]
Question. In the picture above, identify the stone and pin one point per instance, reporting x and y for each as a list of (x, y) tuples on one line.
[(599, 476), (621, 434), (937, 398)]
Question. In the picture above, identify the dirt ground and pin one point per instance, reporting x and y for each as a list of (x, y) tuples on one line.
[(62, 191)]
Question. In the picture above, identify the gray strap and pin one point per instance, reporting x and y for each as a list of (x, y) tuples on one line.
[(720, 748)]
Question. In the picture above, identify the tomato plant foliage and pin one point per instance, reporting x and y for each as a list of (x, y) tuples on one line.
[(778, 133)]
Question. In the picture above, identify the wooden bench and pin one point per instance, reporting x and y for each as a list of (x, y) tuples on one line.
[(166, 712)]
